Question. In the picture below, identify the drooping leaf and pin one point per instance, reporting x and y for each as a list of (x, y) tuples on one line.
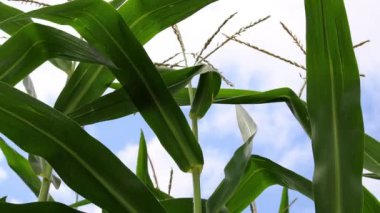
[(56, 181), (284, 205), (235, 168), (87, 167), (8, 12), (142, 171), (259, 175), (372, 155), (333, 103), (88, 82), (36, 164), (43, 207), (146, 18), (64, 65), (183, 205), (371, 204), (118, 103), (101, 25), (34, 44), (208, 88), (21, 167)]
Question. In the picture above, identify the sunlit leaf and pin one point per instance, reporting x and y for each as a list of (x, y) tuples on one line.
[(142, 171), (21, 167), (333, 103), (234, 171), (284, 205), (259, 175)]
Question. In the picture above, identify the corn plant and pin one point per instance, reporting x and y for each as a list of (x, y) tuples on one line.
[(110, 55)]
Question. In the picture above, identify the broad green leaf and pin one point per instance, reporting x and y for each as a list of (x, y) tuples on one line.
[(21, 167), (7, 12), (41, 207), (333, 103), (142, 171), (208, 88), (284, 205), (183, 205), (371, 204), (118, 103), (235, 168), (88, 82), (372, 155), (99, 175), (100, 24), (34, 44), (259, 175), (146, 18)]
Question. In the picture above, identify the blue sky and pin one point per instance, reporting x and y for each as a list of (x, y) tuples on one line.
[(279, 136)]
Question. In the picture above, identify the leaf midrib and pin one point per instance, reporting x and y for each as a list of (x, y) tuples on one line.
[(165, 116), (74, 155)]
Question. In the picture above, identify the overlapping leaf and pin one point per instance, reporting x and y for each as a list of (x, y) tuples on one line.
[(103, 27), (235, 168), (118, 103), (284, 204), (146, 18), (34, 44), (21, 167), (208, 87), (87, 167)]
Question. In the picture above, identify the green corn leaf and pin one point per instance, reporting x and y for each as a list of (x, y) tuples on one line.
[(371, 204), (101, 25), (208, 88), (64, 65), (284, 205), (87, 83), (41, 207), (183, 205), (259, 175), (8, 12), (372, 175), (36, 164), (21, 167), (333, 103), (99, 175), (262, 173), (234, 170), (372, 155), (142, 171), (34, 44), (3, 199), (146, 18)]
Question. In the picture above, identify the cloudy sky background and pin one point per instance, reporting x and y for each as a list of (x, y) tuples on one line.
[(279, 136)]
